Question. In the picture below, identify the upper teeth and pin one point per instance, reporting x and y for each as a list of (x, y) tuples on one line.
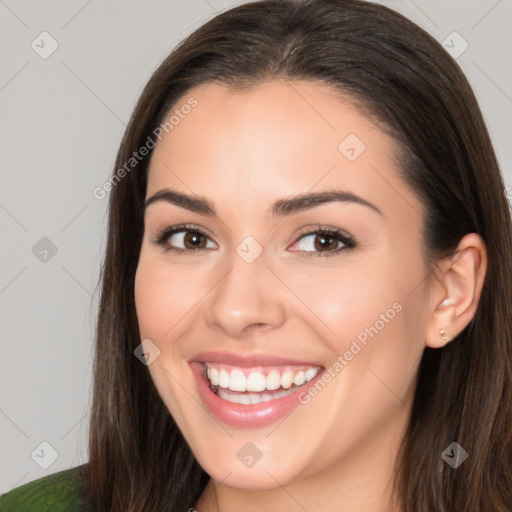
[(236, 379)]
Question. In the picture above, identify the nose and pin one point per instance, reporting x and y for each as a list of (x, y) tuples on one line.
[(247, 298)]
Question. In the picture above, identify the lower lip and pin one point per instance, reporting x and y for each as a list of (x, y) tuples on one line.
[(246, 416)]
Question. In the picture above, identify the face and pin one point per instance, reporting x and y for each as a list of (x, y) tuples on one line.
[(287, 334)]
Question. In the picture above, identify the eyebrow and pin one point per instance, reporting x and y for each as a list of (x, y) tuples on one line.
[(280, 208)]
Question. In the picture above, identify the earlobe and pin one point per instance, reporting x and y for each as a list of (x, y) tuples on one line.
[(444, 335), (460, 279)]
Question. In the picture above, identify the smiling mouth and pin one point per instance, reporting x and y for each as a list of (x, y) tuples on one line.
[(247, 386)]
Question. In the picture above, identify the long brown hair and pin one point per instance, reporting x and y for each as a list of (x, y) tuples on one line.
[(398, 74)]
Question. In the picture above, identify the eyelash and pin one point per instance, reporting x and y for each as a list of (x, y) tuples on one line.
[(347, 240)]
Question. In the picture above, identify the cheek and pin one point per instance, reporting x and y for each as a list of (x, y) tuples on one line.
[(161, 299), (372, 316), (149, 291), (348, 300)]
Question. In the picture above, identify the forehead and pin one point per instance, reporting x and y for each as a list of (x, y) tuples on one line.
[(278, 138)]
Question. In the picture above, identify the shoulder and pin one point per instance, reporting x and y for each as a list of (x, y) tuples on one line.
[(58, 492)]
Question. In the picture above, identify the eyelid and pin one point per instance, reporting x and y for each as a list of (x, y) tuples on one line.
[(342, 236), (321, 228), (165, 232), (346, 239)]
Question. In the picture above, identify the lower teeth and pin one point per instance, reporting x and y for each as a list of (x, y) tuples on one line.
[(249, 398)]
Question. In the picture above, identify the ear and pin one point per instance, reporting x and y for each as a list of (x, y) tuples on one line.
[(455, 296)]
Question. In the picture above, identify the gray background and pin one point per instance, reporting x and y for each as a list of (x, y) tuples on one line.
[(62, 121)]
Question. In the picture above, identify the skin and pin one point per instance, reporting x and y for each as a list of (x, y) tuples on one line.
[(243, 151)]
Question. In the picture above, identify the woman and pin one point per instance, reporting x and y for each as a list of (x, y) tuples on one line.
[(244, 362)]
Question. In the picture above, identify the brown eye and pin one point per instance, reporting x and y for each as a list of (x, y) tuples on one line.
[(324, 242), (183, 239), (195, 240), (187, 240)]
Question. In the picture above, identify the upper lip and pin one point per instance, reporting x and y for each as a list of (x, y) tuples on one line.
[(248, 360)]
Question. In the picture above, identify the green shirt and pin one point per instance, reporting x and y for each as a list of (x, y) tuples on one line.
[(59, 492)]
